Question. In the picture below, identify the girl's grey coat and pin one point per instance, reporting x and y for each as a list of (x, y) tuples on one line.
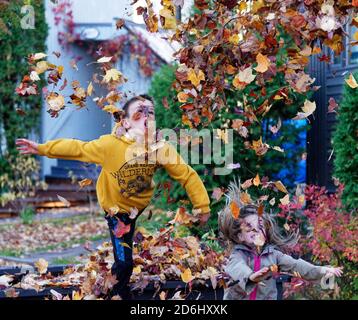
[(241, 265)]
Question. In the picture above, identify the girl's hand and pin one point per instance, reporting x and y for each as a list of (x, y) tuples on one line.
[(203, 218), (330, 271), (27, 146), (259, 275)]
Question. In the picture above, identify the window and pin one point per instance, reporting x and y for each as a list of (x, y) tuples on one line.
[(353, 50)]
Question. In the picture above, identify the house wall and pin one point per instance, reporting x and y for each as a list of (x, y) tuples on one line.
[(320, 150), (91, 122)]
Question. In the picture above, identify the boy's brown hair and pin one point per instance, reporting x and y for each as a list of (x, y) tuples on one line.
[(118, 116)]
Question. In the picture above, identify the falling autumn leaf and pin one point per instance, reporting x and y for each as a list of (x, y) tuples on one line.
[(195, 77), (111, 109), (186, 276), (133, 213), (119, 23), (246, 75), (332, 105), (285, 200), (104, 59), (260, 210), (279, 185), (90, 89), (85, 182), (235, 210), (217, 194), (112, 211), (55, 101), (64, 201), (167, 16), (121, 229), (351, 81), (272, 201), (256, 180), (308, 108), (41, 265), (263, 63), (38, 56)]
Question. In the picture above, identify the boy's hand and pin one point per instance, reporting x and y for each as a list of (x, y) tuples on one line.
[(259, 275), (27, 146)]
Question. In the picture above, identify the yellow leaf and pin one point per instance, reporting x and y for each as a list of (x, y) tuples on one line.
[(182, 97), (41, 265), (168, 16), (243, 5), (257, 4), (85, 182), (234, 39), (263, 63), (110, 108), (194, 77), (256, 180), (112, 75), (112, 211), (285, 200), (308, 108), (41, 67), (55, 101), (279, 185), (245, 198), (90, 89), (351, 81), (77, 295), (137, 270), (223, 135), (186, 276)]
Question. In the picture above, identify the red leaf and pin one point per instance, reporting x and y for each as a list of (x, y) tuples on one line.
[(121, 229)]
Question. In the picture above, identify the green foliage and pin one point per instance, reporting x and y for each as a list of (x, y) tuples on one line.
[(268, 165), (27, 215), (345, 146), (21, 182), (15, 44)]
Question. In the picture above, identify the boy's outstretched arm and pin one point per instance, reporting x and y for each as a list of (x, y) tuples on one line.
[(69, 149), (187, 177)]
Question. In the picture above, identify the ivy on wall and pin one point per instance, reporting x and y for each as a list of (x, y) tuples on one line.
[(23, 30)]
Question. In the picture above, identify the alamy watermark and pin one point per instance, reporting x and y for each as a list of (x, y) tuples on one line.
[(195, 147)]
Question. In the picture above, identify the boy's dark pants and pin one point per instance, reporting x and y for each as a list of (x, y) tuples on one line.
[(123, 256)]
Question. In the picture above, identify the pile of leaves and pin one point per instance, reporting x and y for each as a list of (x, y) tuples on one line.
[(158, 257)]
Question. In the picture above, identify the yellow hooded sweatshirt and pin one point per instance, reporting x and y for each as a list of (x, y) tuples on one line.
[(126, 178)]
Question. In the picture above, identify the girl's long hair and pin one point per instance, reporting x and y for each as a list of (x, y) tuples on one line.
[(229, 227)]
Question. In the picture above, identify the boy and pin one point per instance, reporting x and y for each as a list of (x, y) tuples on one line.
[(124, 182)]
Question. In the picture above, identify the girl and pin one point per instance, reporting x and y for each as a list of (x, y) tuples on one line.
[(256, 252)]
